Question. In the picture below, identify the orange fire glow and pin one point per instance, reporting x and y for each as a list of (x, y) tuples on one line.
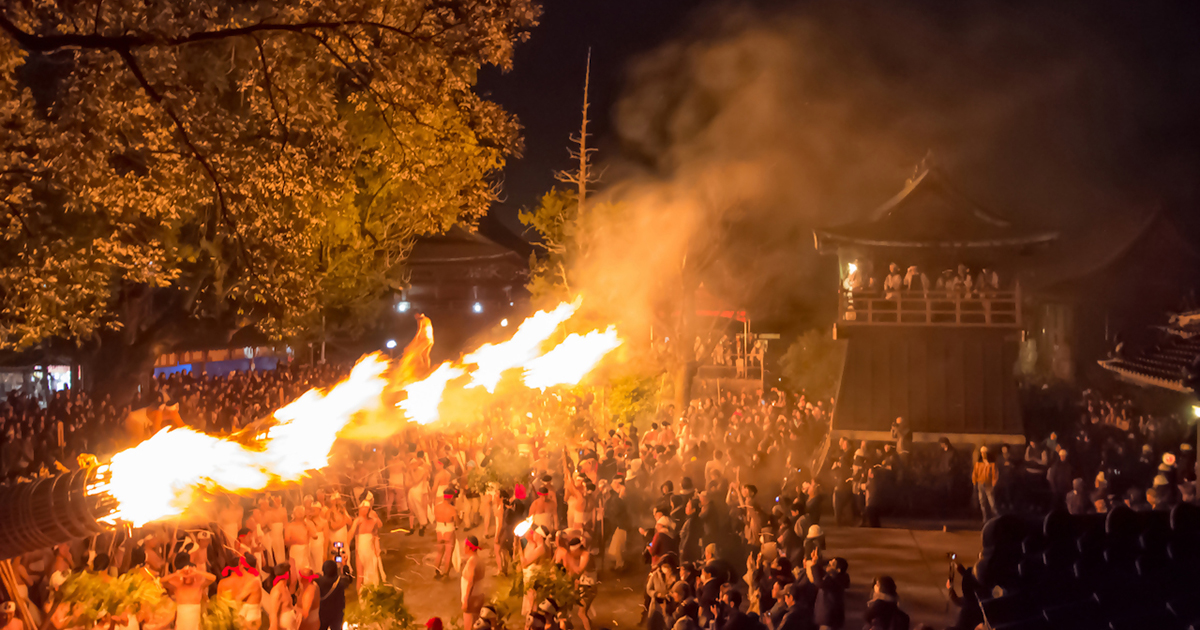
[(425, 395), (571, 360), (160, 476), (492, 360)]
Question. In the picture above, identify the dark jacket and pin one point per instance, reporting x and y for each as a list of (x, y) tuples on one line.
[(710, 593), (812, 509), (796, 618), (830, 608), (332, 587), (738, 620), (969, 613), (884, 614), (689, 539)]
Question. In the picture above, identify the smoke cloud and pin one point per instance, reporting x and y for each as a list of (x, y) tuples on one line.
[(736, 139)]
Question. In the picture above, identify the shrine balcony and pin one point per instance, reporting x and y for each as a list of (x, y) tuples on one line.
[(1000, 309)]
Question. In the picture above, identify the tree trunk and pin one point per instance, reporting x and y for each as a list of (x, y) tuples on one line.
[(685, 355), (116, 366)]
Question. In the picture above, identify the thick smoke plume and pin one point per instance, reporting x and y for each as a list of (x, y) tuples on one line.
[(736, 139)]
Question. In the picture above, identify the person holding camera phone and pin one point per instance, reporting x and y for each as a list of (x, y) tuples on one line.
[(335, 577), (969, 613)]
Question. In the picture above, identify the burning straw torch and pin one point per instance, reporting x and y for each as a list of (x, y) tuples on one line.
[(54, 510)]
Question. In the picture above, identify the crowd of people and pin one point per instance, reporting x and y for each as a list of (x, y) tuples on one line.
[(1104, 455), (913, 281), (714, 502), (42, 434)]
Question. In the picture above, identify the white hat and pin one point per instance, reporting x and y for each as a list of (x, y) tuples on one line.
[(665, 522), (815, 531), (1160, 480)]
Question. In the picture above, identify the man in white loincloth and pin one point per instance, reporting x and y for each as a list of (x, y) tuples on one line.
[(367, 527), (188, 586), (418, 494), (298, 535)]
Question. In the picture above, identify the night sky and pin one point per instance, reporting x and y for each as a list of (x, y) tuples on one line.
[(545, 87), (1081, 116)]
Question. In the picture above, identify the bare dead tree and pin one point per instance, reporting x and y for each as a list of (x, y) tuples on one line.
[(582, 176)]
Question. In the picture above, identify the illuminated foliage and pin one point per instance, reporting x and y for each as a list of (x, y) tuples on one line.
[(237, 163)]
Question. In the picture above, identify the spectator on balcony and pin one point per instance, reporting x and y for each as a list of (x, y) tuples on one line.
[(946, 281), (902, 433), (856, 279), (915, 280), (988, 281), (893, 283), (963, 283)]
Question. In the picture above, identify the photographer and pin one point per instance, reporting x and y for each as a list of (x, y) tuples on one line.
[(332, 584), (969, 613)]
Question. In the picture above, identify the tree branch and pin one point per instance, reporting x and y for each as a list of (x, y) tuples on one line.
[(95, 41), (132, 64), (262, 55), (17, 215)]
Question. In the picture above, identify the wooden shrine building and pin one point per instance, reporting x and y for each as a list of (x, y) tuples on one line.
[(932, 315)]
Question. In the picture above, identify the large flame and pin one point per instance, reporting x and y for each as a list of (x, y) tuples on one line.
[(571, 360), (159, 477), (425, 395), (493, 359)]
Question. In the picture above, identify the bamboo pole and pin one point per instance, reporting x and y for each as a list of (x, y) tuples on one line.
[(9, 578)]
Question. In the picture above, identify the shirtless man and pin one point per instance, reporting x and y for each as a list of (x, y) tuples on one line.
[(240, 582), (472, 581), (248, 544), (535, 554), (577, 560), (581, 502), (339, 524), (280, 610), (188, 586), (367, 527), (418, 493), (318, 549), (444, 516), (297, 535), (308, 602), (270, 517), (441, 475), (543, 511), (397, 494)]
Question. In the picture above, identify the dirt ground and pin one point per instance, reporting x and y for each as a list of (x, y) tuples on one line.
[(914, 554)]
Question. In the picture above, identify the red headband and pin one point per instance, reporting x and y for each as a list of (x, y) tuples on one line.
[(245, 565), (282, 578), (227, 570), (470, 546), (310, 577)]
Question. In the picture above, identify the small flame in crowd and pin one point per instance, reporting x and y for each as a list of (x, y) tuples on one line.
[(523, 527), (572, 359)]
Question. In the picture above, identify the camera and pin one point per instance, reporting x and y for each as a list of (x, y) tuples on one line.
[(339, 552)]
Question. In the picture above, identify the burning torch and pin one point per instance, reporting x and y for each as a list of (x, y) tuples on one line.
[(54, 510)]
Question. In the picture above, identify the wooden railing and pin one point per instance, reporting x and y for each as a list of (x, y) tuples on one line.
[(931, 308)]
